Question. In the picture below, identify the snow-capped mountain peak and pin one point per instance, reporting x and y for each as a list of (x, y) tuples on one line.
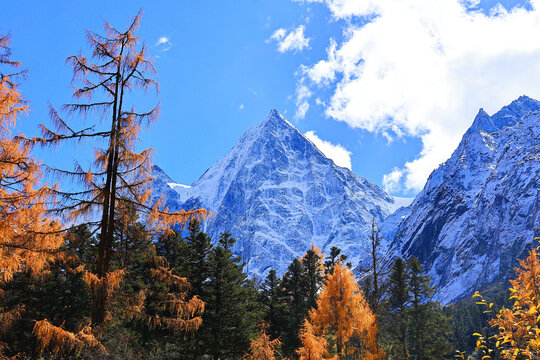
[(278, 194), (480, 210)]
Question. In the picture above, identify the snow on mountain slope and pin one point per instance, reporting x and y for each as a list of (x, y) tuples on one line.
[(277, 194), (480, 210)]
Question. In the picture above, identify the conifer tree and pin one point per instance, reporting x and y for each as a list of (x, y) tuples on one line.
[(263, 347), (398, 302), (295, 304), (428, 324), (342, 325), (273, 305), (197, 260), (312, 262), (29, 239), (517, 328), (120, 176), (231, 312), (333, 259)]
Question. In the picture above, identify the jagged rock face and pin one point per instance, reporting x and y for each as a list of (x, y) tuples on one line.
[(480, 210), (277, 194)]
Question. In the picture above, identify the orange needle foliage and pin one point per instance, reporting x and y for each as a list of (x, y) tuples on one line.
[(341, 326), (262, 348), (518, 328), (120, 178), (28, 238)]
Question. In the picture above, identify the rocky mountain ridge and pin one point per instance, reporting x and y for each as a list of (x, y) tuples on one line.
[(278, 194), (480, 210)]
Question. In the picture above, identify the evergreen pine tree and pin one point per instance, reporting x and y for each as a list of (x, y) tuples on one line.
[(231, 311), (398, 301), (333, 259), (272, 304), (313, 275), (295, 304), (197, 258), (429, 326)]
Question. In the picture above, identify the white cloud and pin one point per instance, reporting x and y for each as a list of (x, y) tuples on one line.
[(165, 42), (302, 105), (391, 180), (423, 68), (294, 40), (241, 107), (340, 155)]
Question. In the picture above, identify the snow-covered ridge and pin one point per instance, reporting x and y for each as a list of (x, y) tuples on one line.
[(480, 210), (278, 194)]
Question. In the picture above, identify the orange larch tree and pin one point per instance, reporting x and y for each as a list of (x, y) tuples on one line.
[(342, 326), (29, 239), (120, 177), (263, 347)]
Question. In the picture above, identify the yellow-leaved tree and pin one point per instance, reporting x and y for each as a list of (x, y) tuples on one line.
[(517, 329), (29, 239), (263, 347), (118, 180), (342, 326)]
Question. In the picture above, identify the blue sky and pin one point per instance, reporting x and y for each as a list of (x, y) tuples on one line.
[(221, 70)]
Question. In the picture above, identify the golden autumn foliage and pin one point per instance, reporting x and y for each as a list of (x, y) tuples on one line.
[(262, 347), (341, 326), (120, 176), (58, 340), (518, 328), (117, 183), (29, 239), (314, 347)]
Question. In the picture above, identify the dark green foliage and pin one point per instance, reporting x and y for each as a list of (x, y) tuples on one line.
[(273, 305), (397, 324), (59, 295), (295, 304), (217, 277), (197, 259), (231, 314), (469, 317), (333, 259), (429, 327), (413, 326), (313, 276)]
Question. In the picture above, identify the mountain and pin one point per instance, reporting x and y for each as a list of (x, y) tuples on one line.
[(480, 210), (277, 194)]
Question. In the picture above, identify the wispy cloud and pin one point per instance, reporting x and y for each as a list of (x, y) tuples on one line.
[(422, 68), (164, 42), (302, 104), (340, 155), (294, 40)]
